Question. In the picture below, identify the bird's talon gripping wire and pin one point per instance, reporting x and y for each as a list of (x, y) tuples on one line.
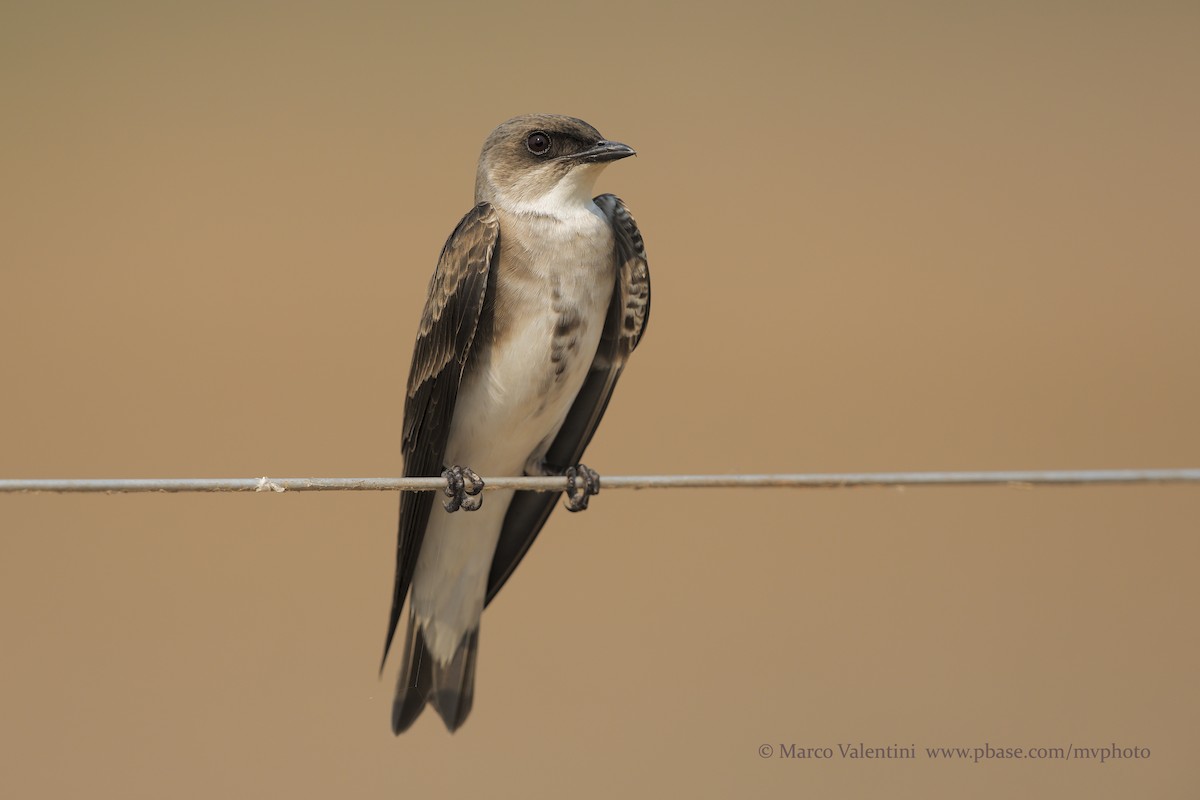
[(582, 484), (468, 498)]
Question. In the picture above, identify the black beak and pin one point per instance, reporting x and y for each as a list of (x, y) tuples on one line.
[(603, 151)]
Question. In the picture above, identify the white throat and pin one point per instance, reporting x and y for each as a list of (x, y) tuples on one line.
[(567, 199)]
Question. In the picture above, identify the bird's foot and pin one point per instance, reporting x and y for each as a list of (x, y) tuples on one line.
[(468, 498), (582, 484)]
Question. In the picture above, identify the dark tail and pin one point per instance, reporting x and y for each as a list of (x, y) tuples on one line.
[(450, 688)]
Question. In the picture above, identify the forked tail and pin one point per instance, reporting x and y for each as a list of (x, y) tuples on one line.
[(449, 688)]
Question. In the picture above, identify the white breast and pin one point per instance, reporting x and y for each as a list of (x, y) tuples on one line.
[(556, 296), (512, 402)]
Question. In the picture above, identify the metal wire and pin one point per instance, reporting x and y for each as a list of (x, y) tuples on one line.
[(558, 483)]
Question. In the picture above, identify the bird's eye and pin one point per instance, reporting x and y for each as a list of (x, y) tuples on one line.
[(538, 143)]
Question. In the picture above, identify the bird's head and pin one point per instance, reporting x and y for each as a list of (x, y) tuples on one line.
[(543, 164)]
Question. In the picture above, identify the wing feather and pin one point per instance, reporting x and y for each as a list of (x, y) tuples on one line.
[(454, 312)]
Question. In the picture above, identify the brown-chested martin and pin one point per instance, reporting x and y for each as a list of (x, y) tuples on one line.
[(539, 297)]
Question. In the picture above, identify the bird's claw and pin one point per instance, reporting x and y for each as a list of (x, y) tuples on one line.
[(582, 484), (468, 498)]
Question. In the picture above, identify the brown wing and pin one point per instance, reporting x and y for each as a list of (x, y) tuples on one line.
[(627, 315), (453, 313)]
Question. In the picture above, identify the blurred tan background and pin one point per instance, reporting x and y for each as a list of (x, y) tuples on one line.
[(882, 237)]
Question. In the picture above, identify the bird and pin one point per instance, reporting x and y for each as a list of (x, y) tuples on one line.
[(539, 297)]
